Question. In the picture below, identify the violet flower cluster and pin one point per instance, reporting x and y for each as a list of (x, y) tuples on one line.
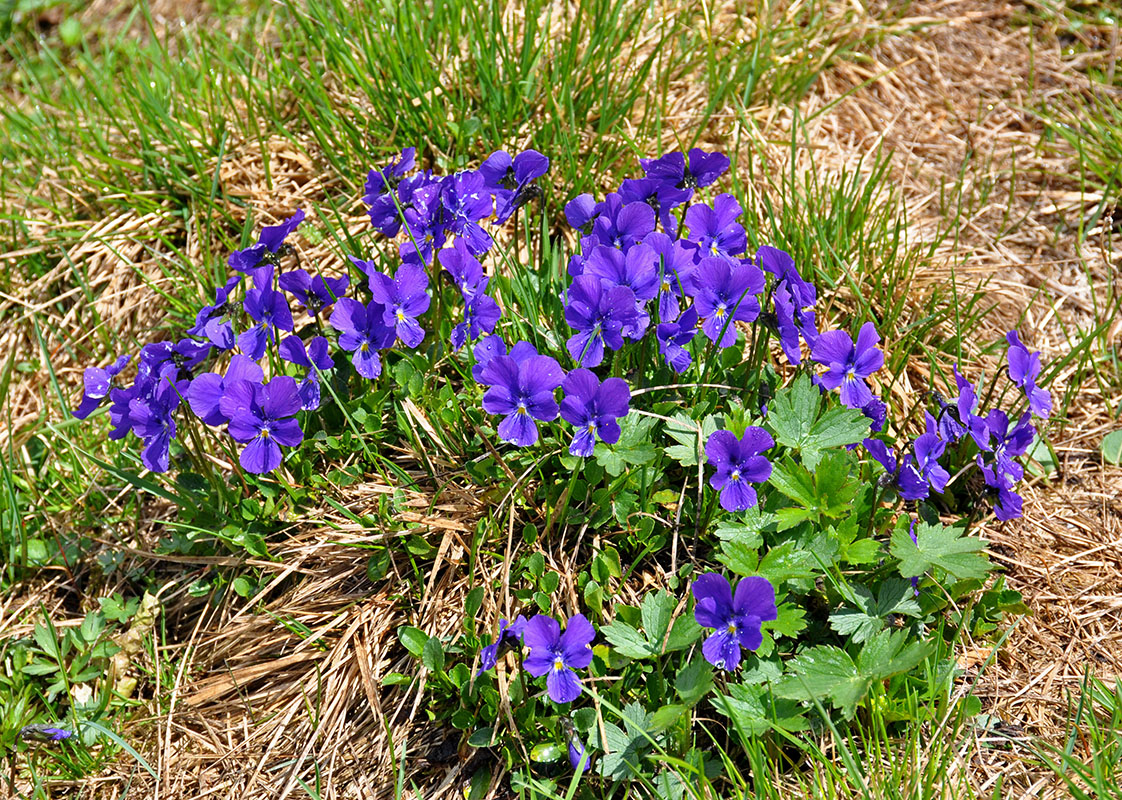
[(915, 472)]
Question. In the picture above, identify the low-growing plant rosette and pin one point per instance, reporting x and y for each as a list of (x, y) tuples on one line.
[(664, 384)]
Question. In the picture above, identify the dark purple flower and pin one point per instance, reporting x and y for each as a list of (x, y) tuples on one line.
[(261, 417), (510, 635), (673, 338), (622, 225), (380, 184), (363, 332), (739, 464), (780, 264), (512, 180), (425, 220), (97, 382), (313, 293), (725, 294), (598, 314), (794, 300), (661, 197), (702, 170), (315, 358), (593, 408), (716, 230), (213, 322), (581, 211), (920, 470), (954, 420), (206, 390), (269, 308), (405, 297), (44, 733), (994, 437), (466, 201), (1008, 504), (481, 315), (268, 244), (675, 269), (466, 272), (556, 655), (1024, 368), (522, 392), (637, 270), (152, 419), (576, 753), (736, 620), (877, 413), (484, 351), (849, 364)]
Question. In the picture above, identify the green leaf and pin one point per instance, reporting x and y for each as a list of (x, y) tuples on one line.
[(414, 639), (432, 655), (691, 438), (794, 416), (790, 622), (655, 614), (481, 737), (1112, 447), (939, 546), (684, 632), (667, 717), (694, 681), (827, 672), (788, 561), (827, 493), (755, 710), (633, 447), (626, 640), (656, 610), (896, 596)]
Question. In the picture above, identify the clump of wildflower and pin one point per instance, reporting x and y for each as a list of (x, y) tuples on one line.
[(736, 620)]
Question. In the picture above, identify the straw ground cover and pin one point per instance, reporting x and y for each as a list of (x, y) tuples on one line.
[(946, 168)]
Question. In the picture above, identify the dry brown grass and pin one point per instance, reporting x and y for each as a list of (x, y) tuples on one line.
[(252, 704)]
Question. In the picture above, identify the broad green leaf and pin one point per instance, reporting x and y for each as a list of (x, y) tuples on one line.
[(826, 493), (790, 622), (414, 639), (693, 681), (691, 442), (683, 633), (754, 710), (633, 447), (942, 547), (794, 416), (656, 610), (626, 640), (787, 561), (741, 559), (666, 717), (1112, 447), (432, 655)]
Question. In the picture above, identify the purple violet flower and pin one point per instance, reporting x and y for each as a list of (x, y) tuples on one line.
[(269, 308), (465, 270), (736, 620), (726, 294), (593, 408), (268, 244), (637, 270), (512, 180), (152, 419), (206, 390), (739, 463), (1024, 368), (849, 364), (598, 314), (466, 201), (261, 417), (44, 733), (673, 338), (581, 211), (661, 197), (481, 315), (315, 358), (97, 382), (522, 392), (213, 322), (557, 655), (716, 230), (510, 635), (362, 332), (313, 293), (703, 169), (920, 470), (384, 214), (621, 225), (405, 298), (426, 224), (675, 268)]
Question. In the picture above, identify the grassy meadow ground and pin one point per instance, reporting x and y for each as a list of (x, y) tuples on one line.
[(951, 167)]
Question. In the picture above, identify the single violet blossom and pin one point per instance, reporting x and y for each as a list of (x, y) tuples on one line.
[(510, 635), (673, 338), (512, 180), (481, 315), (736, 619), (726, 294), (849, 364), (558, 655), (315, 358), (97, 382), (362, 332), (206, 390), (313, 293), (621, 225), (701, 168), (716, 230), (213, 322), (262, 418), (594, 409), (380, 185), (269, 243), (1024, 369), (153, 420), (637, 270), (676, 259), (661, 197), (523, 394), (270, 310), (739, 463), (599, 315), (405, 297), (44, 733), (581, 211), (920, 470), (466, 201)]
